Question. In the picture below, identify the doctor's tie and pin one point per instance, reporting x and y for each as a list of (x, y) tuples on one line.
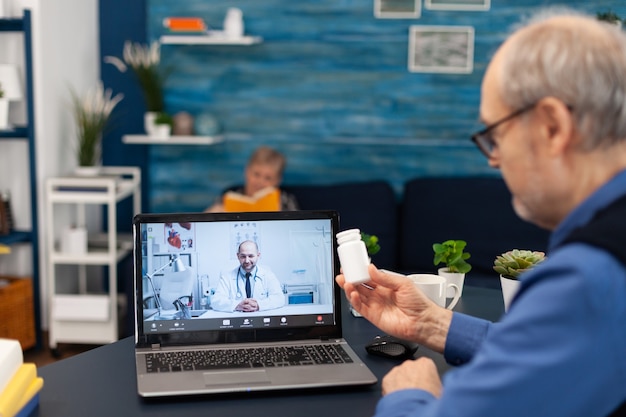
[(248, 288)]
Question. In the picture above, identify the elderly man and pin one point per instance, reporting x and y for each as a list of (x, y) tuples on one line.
[(554, 103)]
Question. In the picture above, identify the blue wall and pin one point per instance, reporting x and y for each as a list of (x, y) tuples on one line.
[(329, 86)]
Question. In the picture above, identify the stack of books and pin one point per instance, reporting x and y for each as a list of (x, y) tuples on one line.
[(19, 383)]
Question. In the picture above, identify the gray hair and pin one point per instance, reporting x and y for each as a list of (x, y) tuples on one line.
[(582, 63)]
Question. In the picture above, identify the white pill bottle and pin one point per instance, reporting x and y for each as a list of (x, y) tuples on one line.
[(353, 256)]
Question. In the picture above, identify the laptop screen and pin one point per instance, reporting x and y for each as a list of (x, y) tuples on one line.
[(223, 277)]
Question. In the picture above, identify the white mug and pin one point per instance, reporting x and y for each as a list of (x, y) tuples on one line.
[(436, 287)]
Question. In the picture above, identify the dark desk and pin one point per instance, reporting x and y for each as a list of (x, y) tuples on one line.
[(102, 382)]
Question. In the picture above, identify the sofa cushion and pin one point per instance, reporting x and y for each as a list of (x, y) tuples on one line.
[(475, 209), (370, 206)]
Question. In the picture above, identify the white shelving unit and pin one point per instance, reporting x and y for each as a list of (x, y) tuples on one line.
[(209, 40), (85, 317), (172, 140)]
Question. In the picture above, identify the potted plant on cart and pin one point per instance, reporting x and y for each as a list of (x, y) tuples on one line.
[(510, 265), (92, 113), (451, 253)]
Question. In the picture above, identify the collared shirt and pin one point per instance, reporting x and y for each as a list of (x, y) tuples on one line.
[(231, 290), (559, 351)]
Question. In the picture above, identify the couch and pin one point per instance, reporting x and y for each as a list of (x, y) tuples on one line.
[(429, 210)]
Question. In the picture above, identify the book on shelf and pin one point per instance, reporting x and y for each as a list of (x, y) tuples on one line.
[(185, 24), (267, 199), (19, 383)]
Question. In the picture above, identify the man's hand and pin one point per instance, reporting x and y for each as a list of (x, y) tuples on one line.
[(418, 374), (247, 305), (398, 307)]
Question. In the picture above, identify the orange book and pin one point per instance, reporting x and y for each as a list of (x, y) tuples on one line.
[(267, 199), (184, 24)]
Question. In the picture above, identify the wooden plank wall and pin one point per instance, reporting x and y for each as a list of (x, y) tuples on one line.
[(329, 87)]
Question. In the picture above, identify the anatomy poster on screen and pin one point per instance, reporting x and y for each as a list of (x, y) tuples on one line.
[(180, 237)]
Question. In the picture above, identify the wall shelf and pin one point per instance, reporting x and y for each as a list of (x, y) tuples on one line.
[(172, 140), (209, 40)]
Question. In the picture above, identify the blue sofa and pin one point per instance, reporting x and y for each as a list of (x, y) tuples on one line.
[(475, 209)]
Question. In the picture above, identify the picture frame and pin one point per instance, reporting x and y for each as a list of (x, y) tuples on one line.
[(397, 9), (441, 49), (465, 5)]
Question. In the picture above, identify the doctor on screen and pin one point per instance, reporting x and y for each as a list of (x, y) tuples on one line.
[(249, 287)]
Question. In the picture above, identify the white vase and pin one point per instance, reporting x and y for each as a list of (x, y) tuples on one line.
[(162, 132), (455, 278), (4, 114), (148, 122), (87, 171), (509, 289)]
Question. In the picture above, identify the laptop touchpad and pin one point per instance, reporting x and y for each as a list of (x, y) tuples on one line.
[(257, 376)]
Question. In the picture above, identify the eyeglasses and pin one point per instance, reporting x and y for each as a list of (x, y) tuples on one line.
[(484, 139)]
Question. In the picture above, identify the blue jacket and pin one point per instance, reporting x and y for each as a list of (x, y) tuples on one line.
[(560, 351)]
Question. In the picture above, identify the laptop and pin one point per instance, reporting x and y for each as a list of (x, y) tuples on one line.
[(200, 328)]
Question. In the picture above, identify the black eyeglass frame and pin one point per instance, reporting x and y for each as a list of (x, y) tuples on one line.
[(483, 138)]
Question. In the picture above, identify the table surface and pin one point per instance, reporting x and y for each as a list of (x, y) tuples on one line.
[(102, 382)]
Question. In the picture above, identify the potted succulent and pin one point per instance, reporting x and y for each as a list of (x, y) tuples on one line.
[(510, 265), (451, 253), (92, 113)]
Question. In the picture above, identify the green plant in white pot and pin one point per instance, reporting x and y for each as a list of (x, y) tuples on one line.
[(92, 113), (163, 124), (510, 265), (451, 253)]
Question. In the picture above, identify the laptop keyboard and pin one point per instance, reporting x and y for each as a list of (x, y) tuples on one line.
[(246, 358)]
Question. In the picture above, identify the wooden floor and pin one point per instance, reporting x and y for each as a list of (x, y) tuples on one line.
[(44, 356)]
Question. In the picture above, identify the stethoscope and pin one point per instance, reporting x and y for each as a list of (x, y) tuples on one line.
[(239, 294)]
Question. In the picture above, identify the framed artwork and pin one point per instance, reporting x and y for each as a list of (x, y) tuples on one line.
[(479, 5), (442, 49), (397, 9)]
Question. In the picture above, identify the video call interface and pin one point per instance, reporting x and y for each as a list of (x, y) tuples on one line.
[(194, 275)]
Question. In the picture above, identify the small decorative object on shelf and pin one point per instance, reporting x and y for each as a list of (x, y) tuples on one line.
[(233, 23), (92, 113), (6, 214), (144, 61), (183, 124), (10, 90)]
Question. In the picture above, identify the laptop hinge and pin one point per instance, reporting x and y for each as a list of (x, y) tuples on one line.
[(156, 346)]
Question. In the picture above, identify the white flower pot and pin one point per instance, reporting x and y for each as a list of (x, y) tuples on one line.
[(162, 132), (455, 278), (148, 122), (87, 171), (509, 289), (4, 114)]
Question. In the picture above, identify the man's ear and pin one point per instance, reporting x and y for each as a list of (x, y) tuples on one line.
[(556, 124)]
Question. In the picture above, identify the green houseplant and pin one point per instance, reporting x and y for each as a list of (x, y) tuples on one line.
[(92, 113), (143, 60), (512, 263), (452, 254), (371, 243)]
